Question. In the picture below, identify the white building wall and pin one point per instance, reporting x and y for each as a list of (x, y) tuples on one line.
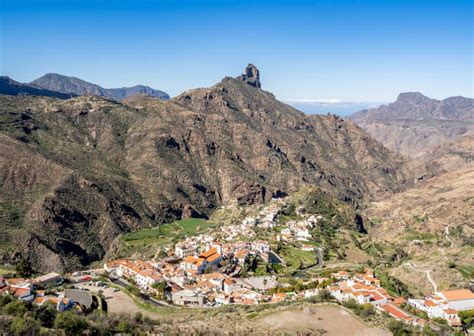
[(461, 304)]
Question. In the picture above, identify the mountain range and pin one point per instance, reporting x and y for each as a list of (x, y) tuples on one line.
[(11, 87), (76, 173), (64, 87), (420, 127)]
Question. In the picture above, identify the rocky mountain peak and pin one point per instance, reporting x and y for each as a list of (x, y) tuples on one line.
[(411, 96), (251, 76)]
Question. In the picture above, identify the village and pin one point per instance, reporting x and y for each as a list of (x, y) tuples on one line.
[(211, 270)]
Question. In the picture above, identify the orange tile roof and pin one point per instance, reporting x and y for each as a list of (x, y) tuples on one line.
[(15, 281), (399, 300), (394, 311), (458, 294), (450, 311), (20, 291), (280, 295), (214, 275), (241, 254), (213, 257), (40, 300), (206, 283), (376, 296), (430, 303), (189, 259), (54, 300), (207, 254), (248, 301)]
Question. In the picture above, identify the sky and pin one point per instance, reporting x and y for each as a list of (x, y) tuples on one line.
[(307, 51)]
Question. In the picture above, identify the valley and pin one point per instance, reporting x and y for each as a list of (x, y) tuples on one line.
[(117, 167), (226, 199)]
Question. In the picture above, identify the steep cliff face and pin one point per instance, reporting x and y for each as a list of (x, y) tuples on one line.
[(76, 173)]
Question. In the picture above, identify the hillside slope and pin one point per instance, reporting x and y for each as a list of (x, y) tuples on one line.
[(75, 173), (433, 224)]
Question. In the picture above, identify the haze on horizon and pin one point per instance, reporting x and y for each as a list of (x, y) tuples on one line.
[(326, 51)]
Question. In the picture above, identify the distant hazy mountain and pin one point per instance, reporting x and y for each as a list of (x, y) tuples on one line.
[(414, 105), (13, 88), (415, 125), (80, 87)]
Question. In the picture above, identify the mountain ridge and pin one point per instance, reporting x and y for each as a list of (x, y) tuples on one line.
[(9, 86), (414, 124), (77, 86), (415, 105)]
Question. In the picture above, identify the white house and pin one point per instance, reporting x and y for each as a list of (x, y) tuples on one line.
[(184, 250), (458, 299)]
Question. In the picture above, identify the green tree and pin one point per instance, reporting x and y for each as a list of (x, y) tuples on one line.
[(398, 328), (124, 327), (367, 310), (160, 286), (134, 290), (45, 314), (25, 326), (71, 323), (17, 308), (467, 317), (5, 299), (23, 268), (323, 296), (138, 317)]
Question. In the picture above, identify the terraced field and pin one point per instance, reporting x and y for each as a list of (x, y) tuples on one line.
[(145, 242)]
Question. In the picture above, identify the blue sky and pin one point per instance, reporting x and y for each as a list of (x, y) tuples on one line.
[(350, 51)]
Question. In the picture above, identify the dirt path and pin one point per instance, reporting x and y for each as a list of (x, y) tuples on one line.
[(446, 234), (427, 272)]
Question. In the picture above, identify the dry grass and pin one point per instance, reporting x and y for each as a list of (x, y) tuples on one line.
[(327, 320)]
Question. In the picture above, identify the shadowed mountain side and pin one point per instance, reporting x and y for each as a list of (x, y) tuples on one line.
[(13, 88)]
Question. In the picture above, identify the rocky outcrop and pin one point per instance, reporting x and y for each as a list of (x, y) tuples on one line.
[(251, 76)]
